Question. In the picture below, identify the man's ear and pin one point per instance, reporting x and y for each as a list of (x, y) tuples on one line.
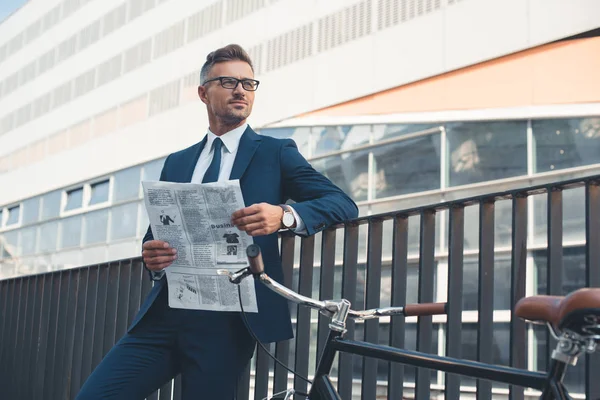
[(202, 94)]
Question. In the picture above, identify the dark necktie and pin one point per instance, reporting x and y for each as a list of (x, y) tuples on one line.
[(212, 173)]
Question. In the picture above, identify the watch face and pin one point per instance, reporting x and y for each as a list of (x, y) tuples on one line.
[(288, 219)]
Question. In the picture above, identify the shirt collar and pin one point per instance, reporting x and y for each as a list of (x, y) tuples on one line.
[(230, 139)]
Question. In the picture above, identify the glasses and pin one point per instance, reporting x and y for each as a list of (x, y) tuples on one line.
[(229, 82)]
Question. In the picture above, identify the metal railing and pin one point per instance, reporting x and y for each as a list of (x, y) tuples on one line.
[(56, 327)]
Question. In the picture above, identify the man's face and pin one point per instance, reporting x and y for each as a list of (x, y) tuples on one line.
[(229, 106)]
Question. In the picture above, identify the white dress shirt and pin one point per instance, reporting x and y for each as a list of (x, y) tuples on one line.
[(231, 143)]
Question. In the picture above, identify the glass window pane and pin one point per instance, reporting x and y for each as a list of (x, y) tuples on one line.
[(408, 166), (13, 215), (31, 210), (484, 151), (99, 192), (70, 232), (349, 171), (573, 270), (335, 138), (74, 199), (300, 135), (127, 184), (51, 205), (28, 240), (47, 238), (143, 222), (123, 221), (566, 143), (152, 170), (96, 224), (573, 216), (500, 348), (10, 247), (395, 130)]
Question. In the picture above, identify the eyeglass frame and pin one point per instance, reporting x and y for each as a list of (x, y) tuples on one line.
[(220, 79)]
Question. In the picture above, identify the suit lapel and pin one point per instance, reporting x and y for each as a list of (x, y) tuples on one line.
[(188, 169), (248, 145)]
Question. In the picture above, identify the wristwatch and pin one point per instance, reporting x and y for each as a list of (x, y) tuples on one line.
[(287, 220)]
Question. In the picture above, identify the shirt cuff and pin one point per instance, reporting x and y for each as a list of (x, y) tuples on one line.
[(300, 226), (157, 275)]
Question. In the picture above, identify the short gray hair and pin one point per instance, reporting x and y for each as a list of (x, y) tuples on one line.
[(228, 53)]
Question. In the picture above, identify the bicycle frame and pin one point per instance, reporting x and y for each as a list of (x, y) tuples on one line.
[(550, 384)]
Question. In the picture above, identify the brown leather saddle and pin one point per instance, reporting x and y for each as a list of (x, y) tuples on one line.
[(578, 312)]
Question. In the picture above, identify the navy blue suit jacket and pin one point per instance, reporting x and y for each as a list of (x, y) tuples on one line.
[(270, 170)]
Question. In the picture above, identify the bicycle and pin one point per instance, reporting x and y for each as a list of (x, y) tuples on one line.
[(573, 320)]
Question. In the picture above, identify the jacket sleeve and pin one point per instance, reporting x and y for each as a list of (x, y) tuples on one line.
[(319, 202)]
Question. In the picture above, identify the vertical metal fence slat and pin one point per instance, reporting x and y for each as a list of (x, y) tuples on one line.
[(17, 372), (282, 349), (78, 340), (53, 332), (177, 392), (307, 255), (138, 274), (99, 324), (325, 285), (123, 299), (35, 330), (89, 325), (61, 332), (426, 274), (42, 348), (71, 333), (485, 324), (372, 300), (398, 298), (349, 278), (592, 261), (554, 253), (110, 316), (164, 393), (455, 288), (5, 287), (29, 340), (12, 315), (518, 344), (261, 373)]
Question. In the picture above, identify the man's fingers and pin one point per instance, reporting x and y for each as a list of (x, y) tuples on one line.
[(250, 210), (155, 245), (158, 260), (158, 253), (248, 220)]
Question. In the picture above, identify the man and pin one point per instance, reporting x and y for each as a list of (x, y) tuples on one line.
[(211, 349)]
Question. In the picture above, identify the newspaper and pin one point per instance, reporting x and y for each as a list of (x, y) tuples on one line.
[(195, 219)]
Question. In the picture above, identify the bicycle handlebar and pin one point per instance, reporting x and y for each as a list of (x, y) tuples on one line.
[(257, 269)]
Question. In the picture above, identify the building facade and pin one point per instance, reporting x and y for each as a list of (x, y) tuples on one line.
[(399, 102)]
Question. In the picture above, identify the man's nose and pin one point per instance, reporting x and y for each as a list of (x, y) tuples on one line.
[(239, 89)]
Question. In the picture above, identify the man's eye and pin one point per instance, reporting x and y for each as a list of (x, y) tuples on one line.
[(229, 82)]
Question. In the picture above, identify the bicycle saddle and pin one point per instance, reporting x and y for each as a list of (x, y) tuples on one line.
[(578, 312)]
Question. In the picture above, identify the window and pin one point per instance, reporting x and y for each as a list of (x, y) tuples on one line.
[(573, 270), (299, 135), (51, 205), (48, 237), (109, 70), (28, 241), (566, 143), (573, 210), (89, 35), (485, 151), (74, 199), (84, 83), (123, 221), (31, 210), (336, 138), (349, 171), (114, 19), (138, 7), (137, 56), (164, 98), (13, 215), (70, 231), (152, 170), (99, 192), (169, 40), (127, 184), (96, 224), (10, 246), (407, 166)]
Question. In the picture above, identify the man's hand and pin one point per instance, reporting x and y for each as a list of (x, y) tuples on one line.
[(258, 219), (158, 255)]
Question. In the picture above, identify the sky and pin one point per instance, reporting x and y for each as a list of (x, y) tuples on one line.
[(8, 6)]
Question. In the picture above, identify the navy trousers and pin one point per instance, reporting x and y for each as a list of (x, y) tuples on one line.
[(209, 349)]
